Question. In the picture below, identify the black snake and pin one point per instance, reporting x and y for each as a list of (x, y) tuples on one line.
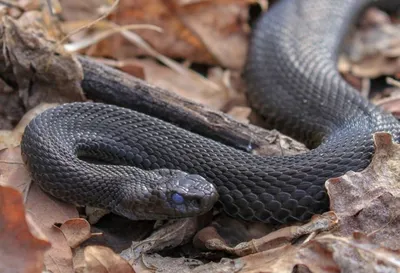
[(143, 168)]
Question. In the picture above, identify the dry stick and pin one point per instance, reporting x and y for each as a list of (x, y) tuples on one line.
[(106, 84)]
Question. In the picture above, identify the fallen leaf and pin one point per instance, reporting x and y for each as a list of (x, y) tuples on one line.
[(369, 201), (182, 85), (218, 24), (280, 260), (12, 170), (20, 251), (274, 240), (76, 231), (99, 259), (174, 233), (374, 16), (175, 41), (371, 67), (229, 231), (240, 113), (391, 104), (194, 31), (79, 260), (156, 262), (45, 211), (79, 10), (327, 253), (374, 49), (224, 265), (359, 254)]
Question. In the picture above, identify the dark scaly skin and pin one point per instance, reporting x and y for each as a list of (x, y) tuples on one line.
[(293, 82), (59, 147)]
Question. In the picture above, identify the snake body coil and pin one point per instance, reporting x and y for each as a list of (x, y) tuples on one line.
[(155, 170)]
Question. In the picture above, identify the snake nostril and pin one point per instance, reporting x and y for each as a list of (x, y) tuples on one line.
[(197, 203)]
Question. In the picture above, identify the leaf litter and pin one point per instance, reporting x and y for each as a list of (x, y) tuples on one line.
[(16, 236), (354, 237)]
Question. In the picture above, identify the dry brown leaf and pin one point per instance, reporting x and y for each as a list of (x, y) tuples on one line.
[(79, 260), (214, 91), (327, 253), (240, 113), (374, 16), (157, 263), (20, 251), (391, 104), (374, 50), (286, 259), (99, 259), (176, 41), (45, 211), (76, 231), (274, 240), (40, 68), (218, 24), (229, 231), (12, 170), (197, 32), (174, 233), (371, 67), (369, 201), (182, 85), (133, 69), (389, 99), (359, 254), (82, 10)]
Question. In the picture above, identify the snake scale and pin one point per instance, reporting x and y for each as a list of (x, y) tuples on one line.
[(144, 168)]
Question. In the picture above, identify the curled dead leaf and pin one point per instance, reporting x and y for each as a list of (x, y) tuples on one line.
[(45, 211), (218, 24), (327, 253), (274, 240), (369, 201), (99, 259), (76, 231), (374, 50), (20, 251)]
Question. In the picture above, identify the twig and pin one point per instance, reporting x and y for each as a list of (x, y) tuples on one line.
[(393, 82), (103, 83)]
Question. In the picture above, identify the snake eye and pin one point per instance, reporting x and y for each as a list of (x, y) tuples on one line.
[(177, 198)]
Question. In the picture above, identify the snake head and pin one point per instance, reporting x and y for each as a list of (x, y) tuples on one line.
[(172, 194), (185, 195)]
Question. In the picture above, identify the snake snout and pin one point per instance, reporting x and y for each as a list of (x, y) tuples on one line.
[(202, 191), (192, 194)]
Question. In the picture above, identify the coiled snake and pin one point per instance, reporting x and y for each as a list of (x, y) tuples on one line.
[(143, 168)]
